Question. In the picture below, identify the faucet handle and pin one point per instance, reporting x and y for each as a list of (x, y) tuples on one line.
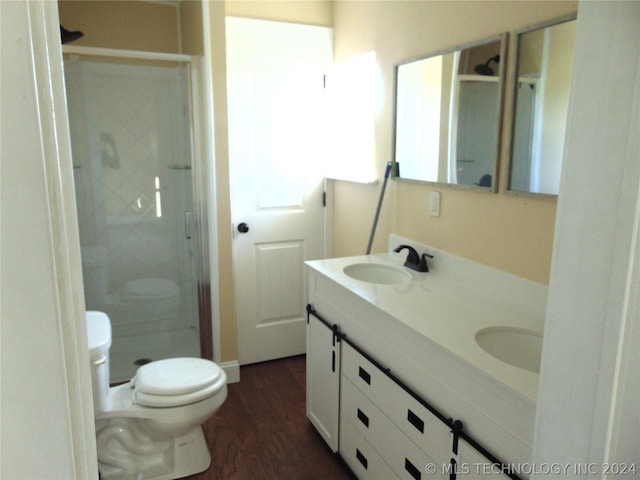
[(423, 267)]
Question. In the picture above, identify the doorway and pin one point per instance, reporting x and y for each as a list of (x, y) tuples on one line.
[(132, 145), (275, 94)]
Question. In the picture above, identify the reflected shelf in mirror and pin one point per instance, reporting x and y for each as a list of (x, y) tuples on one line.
[(544, 59), (448, 109)]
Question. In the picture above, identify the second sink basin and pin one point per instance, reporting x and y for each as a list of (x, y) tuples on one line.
[(516, 346), (376, 273)]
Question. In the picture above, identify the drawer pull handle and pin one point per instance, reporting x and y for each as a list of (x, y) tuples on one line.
[(363, 460), (363, 418), (411, 468), (363, 374), (416, 421), (333, 361)]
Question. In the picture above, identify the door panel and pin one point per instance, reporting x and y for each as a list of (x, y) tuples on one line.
[(278, 277), (275, 77)]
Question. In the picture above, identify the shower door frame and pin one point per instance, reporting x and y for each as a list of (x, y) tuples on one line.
[(199, 181)]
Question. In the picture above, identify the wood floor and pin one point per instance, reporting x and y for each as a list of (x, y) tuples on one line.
[(261, 432)]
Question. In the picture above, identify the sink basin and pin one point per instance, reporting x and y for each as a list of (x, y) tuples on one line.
[(376, 273), (519, 347)]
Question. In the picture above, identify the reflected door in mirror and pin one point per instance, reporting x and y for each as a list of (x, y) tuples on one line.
[(545, 58), (420, 111), (475, 147)]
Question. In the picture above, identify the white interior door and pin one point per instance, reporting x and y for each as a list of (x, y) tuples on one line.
[(275, 100)]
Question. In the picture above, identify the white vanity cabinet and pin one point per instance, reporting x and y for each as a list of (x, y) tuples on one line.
[(379, 425), (413, 394), (379, 428), (323, 378)]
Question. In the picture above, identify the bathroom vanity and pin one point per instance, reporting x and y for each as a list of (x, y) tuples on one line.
[(423, 375)]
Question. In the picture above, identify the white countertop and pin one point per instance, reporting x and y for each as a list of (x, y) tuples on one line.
[(448, 311)]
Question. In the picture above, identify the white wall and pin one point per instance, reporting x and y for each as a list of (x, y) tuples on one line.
[(588, 410), (46, 423)]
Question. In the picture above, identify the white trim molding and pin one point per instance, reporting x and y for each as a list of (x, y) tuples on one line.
[(588, 412), (232, 369), (44, 335)]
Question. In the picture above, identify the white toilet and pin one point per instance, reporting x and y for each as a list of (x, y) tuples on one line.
[(151, 427)]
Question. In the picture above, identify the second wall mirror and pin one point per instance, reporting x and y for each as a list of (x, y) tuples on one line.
[(542, 82), (448, 108)]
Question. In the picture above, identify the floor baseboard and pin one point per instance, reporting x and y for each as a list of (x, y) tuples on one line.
[(232, 369)]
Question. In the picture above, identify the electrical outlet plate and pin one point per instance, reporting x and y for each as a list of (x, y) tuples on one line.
[(434, 204)]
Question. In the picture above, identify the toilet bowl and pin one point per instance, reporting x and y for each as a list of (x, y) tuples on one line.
[(151, 427)]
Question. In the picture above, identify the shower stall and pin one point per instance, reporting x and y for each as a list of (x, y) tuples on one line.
[(132, 144)]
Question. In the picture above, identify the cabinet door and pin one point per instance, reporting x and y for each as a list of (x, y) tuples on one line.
[(323, 380)]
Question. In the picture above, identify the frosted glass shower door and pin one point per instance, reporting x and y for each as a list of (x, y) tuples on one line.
[(131, 144)]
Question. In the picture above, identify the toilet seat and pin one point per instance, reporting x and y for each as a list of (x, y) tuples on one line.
[(176, 381)]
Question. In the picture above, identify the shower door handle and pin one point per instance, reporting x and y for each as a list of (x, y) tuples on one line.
[(100, 360), (187, 225)]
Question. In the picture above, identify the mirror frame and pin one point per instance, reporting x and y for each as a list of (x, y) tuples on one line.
[(513, 93), (503, 38)]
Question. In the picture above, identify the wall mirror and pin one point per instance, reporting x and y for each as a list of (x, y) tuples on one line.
[(541, 100), (448, 108)]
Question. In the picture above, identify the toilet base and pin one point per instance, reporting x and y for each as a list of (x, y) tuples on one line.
[(183, 456)]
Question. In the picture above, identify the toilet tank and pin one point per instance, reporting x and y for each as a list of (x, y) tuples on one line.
[(99, 340)]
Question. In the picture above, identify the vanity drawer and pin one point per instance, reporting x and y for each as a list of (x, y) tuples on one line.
[(360, 455), (427, 431), (364, 415), (368, 378), (399, 452)]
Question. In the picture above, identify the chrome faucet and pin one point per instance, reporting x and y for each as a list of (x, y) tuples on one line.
[(414, 261)]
